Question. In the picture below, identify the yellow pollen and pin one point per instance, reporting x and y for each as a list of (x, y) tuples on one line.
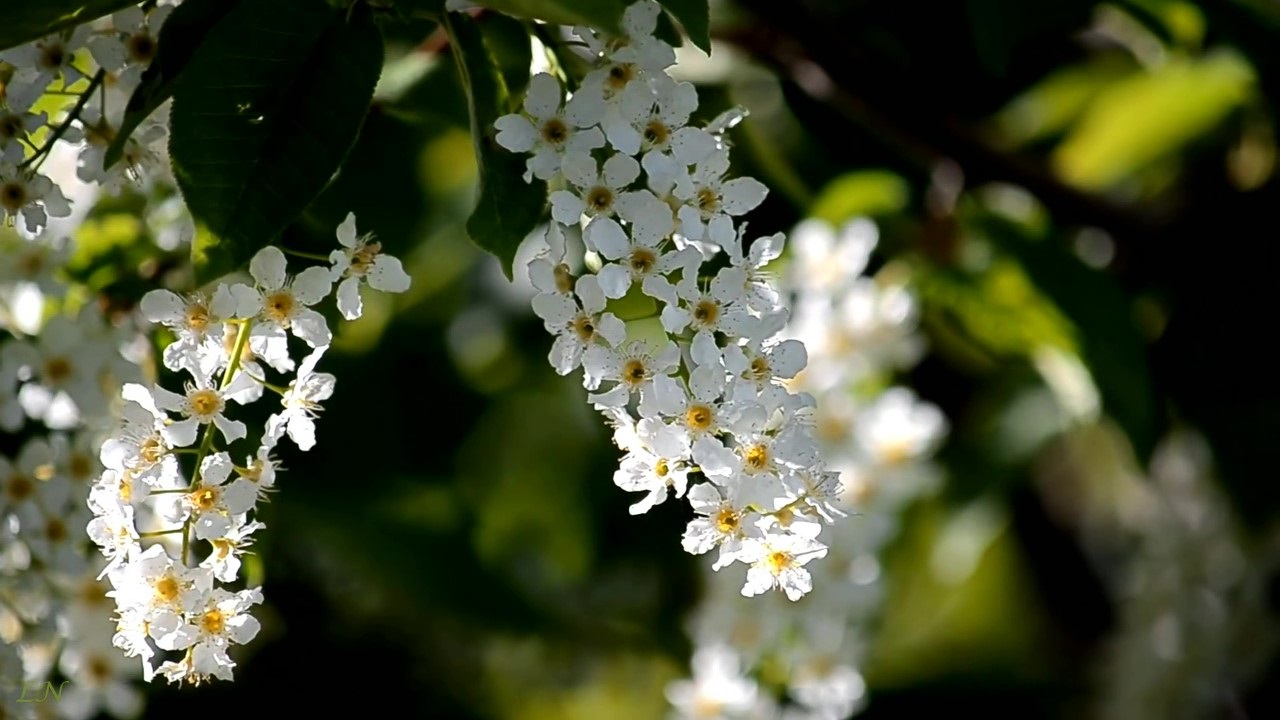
[(600, 199), (585, 327), (222, 548), (198, 316), (363, 257), (778, 561), (895, 452), (152, 449), (167, 588), (45, 471), (706, 312), (759, 369), (279, 307), (699, 417), (642, 261), (213, 621), (205, 498), (205, 403), (708, 200), (20, 488), (757, 457), (656, 132), (125, 486), (13, 196), (564, 278), (727, 521), (620, 75), (785, 516), (661, 468), (554, 131), (634, 371)]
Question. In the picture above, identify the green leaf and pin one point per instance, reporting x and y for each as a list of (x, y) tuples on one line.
[(508, 208), (601, 14), (695, 18), (264, 117), (182, 34), (27, 20)]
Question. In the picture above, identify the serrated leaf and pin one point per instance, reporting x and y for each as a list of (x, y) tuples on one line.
[(183, 32), (695, 18), (27, 20), (264, 116), (601, 14), (508, 208)]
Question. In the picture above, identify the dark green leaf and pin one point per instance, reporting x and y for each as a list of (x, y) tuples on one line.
[(27, 20), (264, 116), (182, 33), (601, 14), (508, 207), (695, 18), (508, 38)]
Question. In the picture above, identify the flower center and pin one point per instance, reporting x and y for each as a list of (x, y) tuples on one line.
[(585, 327), (13, 196), (152, 449), (213, 621), (727, 521), (600, 199), (222, 548), (708, 200), (757, 457), (634, 371), (167, 588), (204, 404), (363, 258), (99, 133), (20, 488), (620, 75), (80, 467), (52, 56), (661, 468), (642, 261), (57, 369), (197, 317), (706, 312), (778, 561), (555, 132), (279, 307), (656, 132), (141, 47), (759, 369), (55, 531), (564, 278), (10, 126), (204, 499), (99, 669), (895, 451), (699, 417)]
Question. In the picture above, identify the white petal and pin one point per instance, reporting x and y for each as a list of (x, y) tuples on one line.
[(232, 430), (349, 303), (515, 133), (742, 195), (312, 285), (388, 275), (162, 306), (555, 310), (347, 231), (180, 434), (302, 430), (543, 98), (615, 280), (589, 292), (606, 236), (788, 358), (620, 171), (566, 208), (612, 329), (704, 350), (580, 169), (268, 268), (311, 327)]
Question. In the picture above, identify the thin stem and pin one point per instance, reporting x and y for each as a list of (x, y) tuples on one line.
[(157, 533), (206, 442), (65, 125), (307, 255)]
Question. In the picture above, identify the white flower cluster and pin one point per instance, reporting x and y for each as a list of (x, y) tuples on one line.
[(859, 330), (701, 409), (67, 92), (166, 580), (55, 365)]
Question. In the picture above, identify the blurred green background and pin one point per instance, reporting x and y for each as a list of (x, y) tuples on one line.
[(1064, 179)]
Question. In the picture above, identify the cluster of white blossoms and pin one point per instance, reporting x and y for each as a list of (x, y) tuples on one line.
[(56, 365), (232, 344), (700, 406), (860, 330)]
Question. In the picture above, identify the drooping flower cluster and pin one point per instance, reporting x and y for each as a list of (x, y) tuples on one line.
[(699, 407), (172, 539), (859, 330)]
